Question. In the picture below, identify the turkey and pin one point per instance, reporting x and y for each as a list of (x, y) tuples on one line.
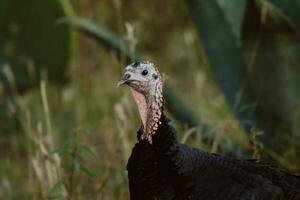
[(160, 168)]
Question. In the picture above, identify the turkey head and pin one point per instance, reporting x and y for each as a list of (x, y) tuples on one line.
[(145, 83)]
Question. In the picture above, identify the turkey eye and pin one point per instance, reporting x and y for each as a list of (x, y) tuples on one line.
[(145, 72)]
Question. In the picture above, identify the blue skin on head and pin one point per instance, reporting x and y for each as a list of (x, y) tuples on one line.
[(142, 76), (146, 86)]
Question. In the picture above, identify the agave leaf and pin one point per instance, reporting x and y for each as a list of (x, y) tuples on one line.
[(225, 56), (250, 75), (31, 41), (101, 35), (234, 13), (233, 68)]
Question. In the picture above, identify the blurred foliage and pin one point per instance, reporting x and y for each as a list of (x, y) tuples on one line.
[(290, 8), (222, 47), (249, 69), (268, 74), (31, 41), (73, 140)]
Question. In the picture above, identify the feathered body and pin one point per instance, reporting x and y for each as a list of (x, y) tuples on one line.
[(160, 168), (167, 170)]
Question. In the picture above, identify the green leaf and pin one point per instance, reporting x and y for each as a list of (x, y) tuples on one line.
[(234, 12), (32, 42), (251, 75), (101, 34), (224, 55)]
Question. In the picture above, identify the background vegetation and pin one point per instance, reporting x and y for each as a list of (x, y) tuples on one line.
[(231, 72)]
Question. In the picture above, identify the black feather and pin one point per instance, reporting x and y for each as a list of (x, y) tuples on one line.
[(169, 170)]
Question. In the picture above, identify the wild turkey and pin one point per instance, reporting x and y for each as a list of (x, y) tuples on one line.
[(162, 168)]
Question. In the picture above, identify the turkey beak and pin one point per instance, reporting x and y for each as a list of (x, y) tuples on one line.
[(125, 79)]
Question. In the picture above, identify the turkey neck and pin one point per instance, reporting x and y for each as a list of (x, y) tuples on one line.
[(150, 107)]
